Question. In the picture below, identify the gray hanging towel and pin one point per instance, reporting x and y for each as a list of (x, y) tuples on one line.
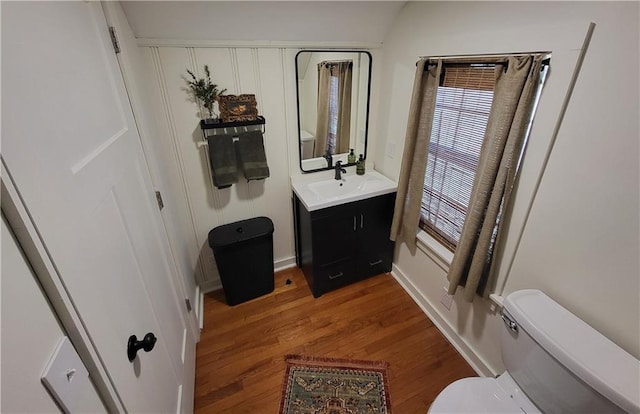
[(252, 156), (222, 156)]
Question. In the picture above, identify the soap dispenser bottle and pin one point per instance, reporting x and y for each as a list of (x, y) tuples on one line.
[(351, 158), (360, 166)]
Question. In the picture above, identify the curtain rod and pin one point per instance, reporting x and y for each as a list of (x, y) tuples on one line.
[(545, 62), (491, 55), (327, 62), (333, 64), (470, 59)]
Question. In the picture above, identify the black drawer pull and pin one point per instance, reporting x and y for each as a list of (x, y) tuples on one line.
[(375, 263), (337, 275)]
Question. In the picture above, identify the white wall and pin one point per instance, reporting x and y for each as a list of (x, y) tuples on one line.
[(581, 242), (265, 72), (308, 92), (30, 333), (269, 73), (588, 204), (296, 21)]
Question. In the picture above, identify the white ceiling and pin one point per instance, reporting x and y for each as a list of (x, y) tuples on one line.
[(331, 21)]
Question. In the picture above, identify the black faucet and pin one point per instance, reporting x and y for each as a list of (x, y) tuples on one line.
[(329, 159), (339, 170)]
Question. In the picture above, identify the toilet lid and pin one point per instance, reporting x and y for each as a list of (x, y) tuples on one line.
[(306, 136), (475, 395)]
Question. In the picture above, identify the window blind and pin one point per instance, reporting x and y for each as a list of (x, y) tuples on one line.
[(463, 103)]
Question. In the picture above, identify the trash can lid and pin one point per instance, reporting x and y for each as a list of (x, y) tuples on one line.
[(239, 231)]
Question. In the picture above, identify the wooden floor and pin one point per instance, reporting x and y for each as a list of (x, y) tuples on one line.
[(240, 357)]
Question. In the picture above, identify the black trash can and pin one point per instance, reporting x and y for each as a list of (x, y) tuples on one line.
[(244, 254)]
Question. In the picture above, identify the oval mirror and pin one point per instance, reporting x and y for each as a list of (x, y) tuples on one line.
[(333, 106)]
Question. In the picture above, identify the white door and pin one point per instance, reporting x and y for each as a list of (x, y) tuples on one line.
[(70, 144)]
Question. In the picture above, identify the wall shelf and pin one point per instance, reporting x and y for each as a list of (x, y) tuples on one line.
[(230, 128), (217, 125)]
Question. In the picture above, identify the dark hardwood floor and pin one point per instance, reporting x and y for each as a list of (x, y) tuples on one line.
[(240, 358)]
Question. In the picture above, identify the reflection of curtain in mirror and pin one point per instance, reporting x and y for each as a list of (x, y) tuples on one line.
[(334, 108)]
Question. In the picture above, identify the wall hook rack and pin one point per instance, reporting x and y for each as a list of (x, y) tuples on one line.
[(230, 128)]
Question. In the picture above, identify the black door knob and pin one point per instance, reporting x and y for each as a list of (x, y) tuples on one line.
[(134, 345)]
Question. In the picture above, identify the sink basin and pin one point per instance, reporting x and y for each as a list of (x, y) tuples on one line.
[(333, 188), (323, 190)]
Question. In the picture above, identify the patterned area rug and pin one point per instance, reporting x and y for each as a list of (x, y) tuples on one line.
[(334, 386)]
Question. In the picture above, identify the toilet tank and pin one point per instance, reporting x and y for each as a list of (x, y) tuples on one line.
[(307, 144), (561, 363)]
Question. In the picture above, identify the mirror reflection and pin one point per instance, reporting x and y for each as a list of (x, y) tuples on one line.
[(333, 106)]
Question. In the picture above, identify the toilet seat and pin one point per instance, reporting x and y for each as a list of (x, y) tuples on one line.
[(483, 395)]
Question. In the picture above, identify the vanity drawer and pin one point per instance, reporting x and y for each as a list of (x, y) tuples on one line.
[(332, 276), (375, 262)]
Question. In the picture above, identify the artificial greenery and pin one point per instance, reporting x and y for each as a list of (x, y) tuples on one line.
[(204, 90)]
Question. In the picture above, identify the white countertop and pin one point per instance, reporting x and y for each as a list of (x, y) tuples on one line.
[(320, 190)]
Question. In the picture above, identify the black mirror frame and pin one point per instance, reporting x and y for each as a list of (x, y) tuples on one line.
[(366, 119)]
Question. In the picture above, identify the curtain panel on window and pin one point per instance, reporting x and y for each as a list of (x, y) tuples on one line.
[(406, 215), (333, 124), (513, 100), (322, 117), (516, 86)]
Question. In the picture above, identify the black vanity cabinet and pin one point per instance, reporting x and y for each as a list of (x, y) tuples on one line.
[(339, 245)]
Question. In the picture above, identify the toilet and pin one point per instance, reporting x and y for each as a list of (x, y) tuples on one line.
[(555, 363), (307, 144)]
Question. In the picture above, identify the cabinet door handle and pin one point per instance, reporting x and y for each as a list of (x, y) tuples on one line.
[(377, 262), (337, 275), (354, 223), (361, 221)]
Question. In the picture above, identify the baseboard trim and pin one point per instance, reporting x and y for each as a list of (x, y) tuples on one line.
[(201, 311), (210, 286), (283, 264), (463, 348), (199, 307)]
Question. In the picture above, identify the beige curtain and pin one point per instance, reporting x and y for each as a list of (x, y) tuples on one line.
[(322, 121), (406, 216), (513, 100), (341, 100), (344, 106)]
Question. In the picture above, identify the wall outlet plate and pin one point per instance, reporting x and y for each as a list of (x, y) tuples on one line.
[(391, 149), (446, 299), (65, 376)]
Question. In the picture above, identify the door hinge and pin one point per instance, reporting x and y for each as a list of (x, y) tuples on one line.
[(188, 303), (114, 39), (159, 200)]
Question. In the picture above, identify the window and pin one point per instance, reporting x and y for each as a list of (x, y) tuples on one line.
[(463, 104)]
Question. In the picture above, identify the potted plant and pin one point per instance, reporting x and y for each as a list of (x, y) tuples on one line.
[(205, 93)]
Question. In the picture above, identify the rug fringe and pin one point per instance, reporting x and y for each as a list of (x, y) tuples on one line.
[(348, 363)]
